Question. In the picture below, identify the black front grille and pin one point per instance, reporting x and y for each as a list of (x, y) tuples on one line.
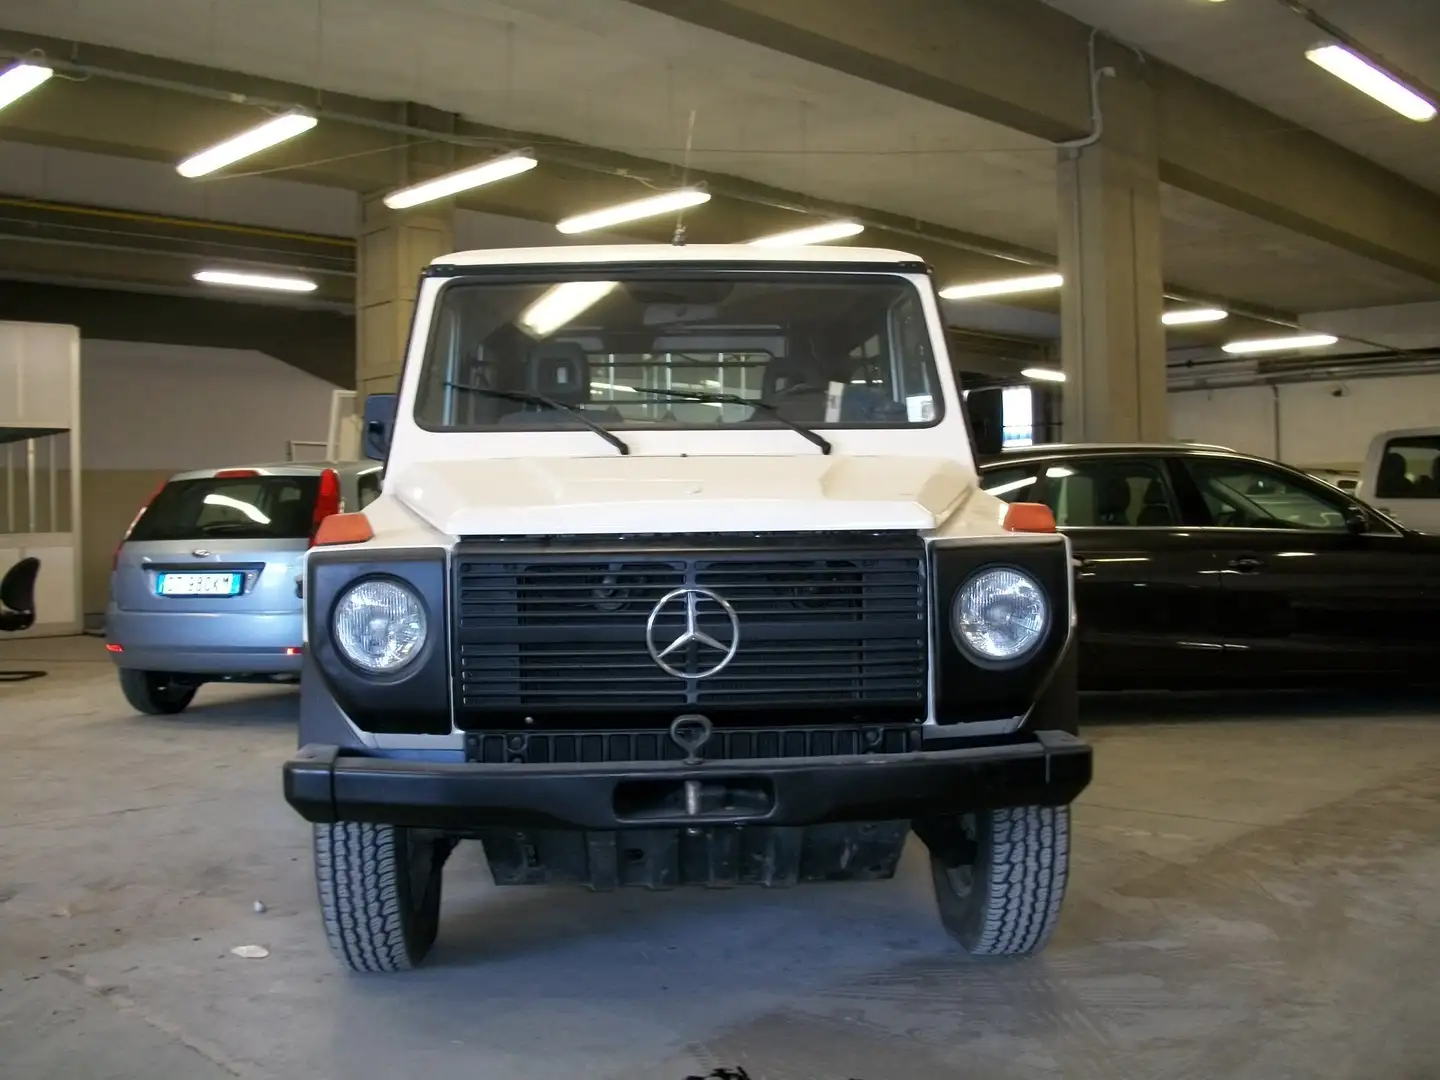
[(740, 744), (565, 632)]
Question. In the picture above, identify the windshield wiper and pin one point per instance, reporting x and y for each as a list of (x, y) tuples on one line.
[(549, 402), (735, 399)]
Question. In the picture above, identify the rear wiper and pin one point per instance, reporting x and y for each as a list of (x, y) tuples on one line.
[(549, 402), (735, 399)]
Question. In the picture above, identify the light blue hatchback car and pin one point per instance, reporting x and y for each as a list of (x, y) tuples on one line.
[(205, 586)]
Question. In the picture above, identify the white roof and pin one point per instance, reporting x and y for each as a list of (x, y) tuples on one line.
[(607, 253)]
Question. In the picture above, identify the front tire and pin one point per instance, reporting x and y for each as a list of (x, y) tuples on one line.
[(1006, 901), (379, 893), (155, 693)]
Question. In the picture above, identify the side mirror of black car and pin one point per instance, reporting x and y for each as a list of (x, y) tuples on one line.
[(1357, 520), (379, 421)]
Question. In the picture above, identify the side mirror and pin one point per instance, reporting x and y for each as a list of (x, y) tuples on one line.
[(1356, 520), (983, 414), (379, 423)]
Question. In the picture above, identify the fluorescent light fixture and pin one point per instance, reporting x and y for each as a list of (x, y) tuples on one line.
[(1003, 287), (261, 137), (19, 79), (273, 282), (1280, 344), (1189, 316), (811, 234), (486, 172), (1043, 374), (1364, 76), (651, 206), (561, 303)]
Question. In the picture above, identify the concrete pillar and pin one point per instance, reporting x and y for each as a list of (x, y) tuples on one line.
[(1112, 341), (395, 245)]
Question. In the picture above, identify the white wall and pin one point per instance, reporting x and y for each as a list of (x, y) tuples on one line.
[(175, 407), (1316, 426)]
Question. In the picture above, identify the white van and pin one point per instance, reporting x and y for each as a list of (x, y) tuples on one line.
[(1402, 477)]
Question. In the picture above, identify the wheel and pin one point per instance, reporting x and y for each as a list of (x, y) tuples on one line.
[(1007, 900), (379, 893), (156, 693)]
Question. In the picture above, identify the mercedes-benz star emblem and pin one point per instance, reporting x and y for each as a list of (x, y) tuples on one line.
[(711, 655)]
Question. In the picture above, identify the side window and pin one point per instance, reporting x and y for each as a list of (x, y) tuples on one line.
[(1109, 493), (367, 488), (1245, 495), (1410, 469)]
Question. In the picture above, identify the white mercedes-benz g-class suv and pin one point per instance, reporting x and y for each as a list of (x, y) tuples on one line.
[(681, 575)]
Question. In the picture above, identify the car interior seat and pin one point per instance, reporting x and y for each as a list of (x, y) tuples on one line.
[(1393, 481), (1112, 500), (17, 608), (1156, 509), (561, 371)]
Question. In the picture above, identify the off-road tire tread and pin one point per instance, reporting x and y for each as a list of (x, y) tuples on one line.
[(142, 698), (364, 898), (1019, 883)]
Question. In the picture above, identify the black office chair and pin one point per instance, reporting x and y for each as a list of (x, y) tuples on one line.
[(17, 608)]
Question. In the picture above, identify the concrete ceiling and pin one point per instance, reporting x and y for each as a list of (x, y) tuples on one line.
[(1256, 49), (610, 74)]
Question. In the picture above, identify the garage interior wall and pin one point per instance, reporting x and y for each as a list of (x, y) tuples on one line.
[(152, 410), (1311, 425)]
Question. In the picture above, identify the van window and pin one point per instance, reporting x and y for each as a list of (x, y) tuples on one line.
[(231, 508), (1410, 468)]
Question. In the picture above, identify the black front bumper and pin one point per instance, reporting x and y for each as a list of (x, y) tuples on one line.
[(1050, 768)]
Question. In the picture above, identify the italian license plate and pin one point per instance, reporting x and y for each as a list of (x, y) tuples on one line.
[(221, 584)]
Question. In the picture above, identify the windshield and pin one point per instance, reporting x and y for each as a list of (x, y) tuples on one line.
[(818, 350)]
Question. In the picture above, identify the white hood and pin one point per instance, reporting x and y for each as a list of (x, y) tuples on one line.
[(801, 493)]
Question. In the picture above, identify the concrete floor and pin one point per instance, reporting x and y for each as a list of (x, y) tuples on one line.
[(1253, 896)]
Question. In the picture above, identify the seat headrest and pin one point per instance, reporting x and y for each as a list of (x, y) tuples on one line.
[(1112, 496), (559, 370)]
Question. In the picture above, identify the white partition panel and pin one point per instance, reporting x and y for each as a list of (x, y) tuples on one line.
[(40, 466)]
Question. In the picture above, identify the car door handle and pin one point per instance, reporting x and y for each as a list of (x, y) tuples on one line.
[(1247, 564)]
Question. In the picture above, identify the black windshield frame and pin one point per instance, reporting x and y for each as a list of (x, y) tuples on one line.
[(898, 276)]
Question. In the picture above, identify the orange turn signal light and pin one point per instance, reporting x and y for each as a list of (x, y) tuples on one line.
[(1028, 518), (344, 529)]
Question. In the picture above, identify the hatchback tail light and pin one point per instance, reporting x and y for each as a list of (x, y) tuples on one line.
[(115, 561), (327, 500)]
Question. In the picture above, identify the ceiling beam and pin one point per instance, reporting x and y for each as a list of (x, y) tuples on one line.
[(317, 341), (1023, 64)]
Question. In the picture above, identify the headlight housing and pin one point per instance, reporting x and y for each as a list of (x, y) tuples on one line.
[(1000, 615), (379, 625)]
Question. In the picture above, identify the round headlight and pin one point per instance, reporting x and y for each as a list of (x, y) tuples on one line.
[(379, 626), (1000, 615)]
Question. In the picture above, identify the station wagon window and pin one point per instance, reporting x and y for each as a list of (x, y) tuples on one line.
[(1109, 493), (1245, 495), (1410, 468), (1105, 493), (824, 350)]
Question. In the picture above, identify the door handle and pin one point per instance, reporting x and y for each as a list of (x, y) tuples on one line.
[(1247, 564)]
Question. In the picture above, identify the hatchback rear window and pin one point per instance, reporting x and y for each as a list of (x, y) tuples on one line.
[(231, 508)]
